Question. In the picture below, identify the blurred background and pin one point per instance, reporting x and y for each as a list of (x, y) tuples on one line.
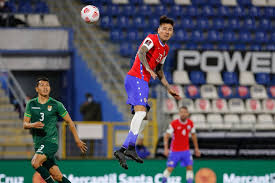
[(221, 61)]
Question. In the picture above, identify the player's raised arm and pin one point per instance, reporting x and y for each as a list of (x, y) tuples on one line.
[(161, 76), (82, 146), (142, 56)]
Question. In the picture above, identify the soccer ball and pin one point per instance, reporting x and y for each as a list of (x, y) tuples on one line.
[(90, 14)]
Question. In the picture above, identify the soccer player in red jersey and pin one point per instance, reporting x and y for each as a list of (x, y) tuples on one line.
[(148, 63), (179, 150)]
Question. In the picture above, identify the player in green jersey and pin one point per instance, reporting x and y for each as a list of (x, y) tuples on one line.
[(41, 116)]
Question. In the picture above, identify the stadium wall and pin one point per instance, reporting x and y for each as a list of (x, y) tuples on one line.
[(109, 171)]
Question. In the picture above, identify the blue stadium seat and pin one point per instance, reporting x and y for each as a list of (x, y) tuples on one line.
[(254, 12), (263, 78), (199, 2), (230, 78), (181, 36), (255, 47), (106, 22), (167, 2), (192, 11), (226, 92), (264, 24), (260, 37), (132, 36), (187, 23), (129, 10), (207, 46), (11, 5), (242, 92), (145, 10), (218, 24), (154, 23), (25, 8), (245, 3), (208, 11), (270, 47), (213, 36), (269, 12), (215, 3), (114, 10), (239, 12), (192, 46), (160, 10), (139, 22), (224, 11), (197, 36), (136, 2), (41, 7), (122, 22), (223, 46), (249, 24), (192, 92), (177, 10), (233, 24), (272, 37), (229, 37), (202, 23), (272, 82), (126, 50), (245, 37), (197, 77), (116, 35), (240, 47)]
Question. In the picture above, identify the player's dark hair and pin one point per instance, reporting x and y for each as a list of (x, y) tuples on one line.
[(41, 79), (165, 20), (184, 107)]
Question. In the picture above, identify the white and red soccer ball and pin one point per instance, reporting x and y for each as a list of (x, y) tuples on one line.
[(90, 14)]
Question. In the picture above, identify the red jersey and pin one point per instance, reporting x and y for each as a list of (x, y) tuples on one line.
[(180, 130), (156, 55)]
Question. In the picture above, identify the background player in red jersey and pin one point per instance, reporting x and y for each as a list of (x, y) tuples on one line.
[(148, 63), (179, 150)]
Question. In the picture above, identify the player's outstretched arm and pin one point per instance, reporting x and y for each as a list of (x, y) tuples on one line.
[(196, 145), (82, 146), (142, 56), (165, 142), (161, 76)]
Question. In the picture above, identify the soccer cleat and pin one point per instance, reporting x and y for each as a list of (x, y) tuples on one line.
[(121, 158), (164, 180), (131, 153)]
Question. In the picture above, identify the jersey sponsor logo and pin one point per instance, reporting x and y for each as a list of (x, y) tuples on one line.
[(35, 107), (50, 107)]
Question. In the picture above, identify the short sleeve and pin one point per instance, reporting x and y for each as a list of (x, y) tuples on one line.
[(170, 130), (193, 129), (28, 110), (61, 109), (148, 42)]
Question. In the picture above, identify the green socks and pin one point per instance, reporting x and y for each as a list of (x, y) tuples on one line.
[(64, 180), (45, 174)]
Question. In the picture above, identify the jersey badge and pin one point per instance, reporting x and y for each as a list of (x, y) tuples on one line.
[(50, 107), (188, 127)]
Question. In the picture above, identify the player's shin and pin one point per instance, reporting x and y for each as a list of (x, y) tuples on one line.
[(166, 174), (45, 174), (134, 129), (64, 180), (189, 176)]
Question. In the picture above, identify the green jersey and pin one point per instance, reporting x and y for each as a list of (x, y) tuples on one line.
[(48, 114)]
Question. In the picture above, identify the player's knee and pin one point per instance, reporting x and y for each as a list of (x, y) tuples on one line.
[(57, 177)]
